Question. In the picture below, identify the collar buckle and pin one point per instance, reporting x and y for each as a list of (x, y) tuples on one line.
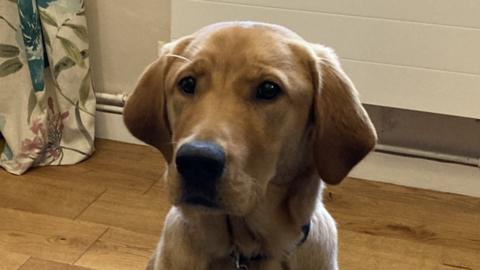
[(238, 263)]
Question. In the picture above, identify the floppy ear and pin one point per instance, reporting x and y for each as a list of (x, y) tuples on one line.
[(345, 134), (145, 112)]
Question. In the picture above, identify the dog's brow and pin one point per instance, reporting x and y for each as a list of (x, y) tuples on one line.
[(283, 62), (269, 69), (202, 63)]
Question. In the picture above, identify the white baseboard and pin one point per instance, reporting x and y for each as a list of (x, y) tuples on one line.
[(405, 171), (110, 126), (419, 173)]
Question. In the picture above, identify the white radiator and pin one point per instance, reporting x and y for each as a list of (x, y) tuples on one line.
[(420, 55)]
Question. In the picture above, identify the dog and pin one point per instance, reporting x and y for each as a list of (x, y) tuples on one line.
[(252, 121)]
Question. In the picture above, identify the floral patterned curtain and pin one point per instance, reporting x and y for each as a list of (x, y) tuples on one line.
[(47, 104)]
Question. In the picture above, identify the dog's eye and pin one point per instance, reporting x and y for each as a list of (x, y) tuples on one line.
[(187, 84), (268, 90)]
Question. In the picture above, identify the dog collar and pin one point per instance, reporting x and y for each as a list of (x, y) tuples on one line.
[(305, 232), (241, 261)]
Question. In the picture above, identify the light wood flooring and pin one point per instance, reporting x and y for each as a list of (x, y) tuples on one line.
[(107, 213)]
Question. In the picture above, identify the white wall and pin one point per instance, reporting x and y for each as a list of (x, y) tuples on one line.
[(412, 54), (123, 39)]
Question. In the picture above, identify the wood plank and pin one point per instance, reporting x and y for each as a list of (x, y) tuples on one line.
[(159, 189), (361, 251), (39, 264), (110, 167), (129, 159), (444, 12), (116, 180), (135, 212), (420, 216), (381, 226), (10, 260), (48, 194), (120, 249), (46, 237)]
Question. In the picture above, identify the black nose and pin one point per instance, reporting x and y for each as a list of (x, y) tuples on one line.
[(200, 163)]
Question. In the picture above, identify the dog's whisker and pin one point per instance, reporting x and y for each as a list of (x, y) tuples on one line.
[(179, 57)]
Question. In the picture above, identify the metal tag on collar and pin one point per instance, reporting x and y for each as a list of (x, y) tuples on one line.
[(236, 260)]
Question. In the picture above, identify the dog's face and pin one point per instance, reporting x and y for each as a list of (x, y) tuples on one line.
[(238, 105)]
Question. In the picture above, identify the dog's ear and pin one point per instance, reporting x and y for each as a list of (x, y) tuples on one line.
[(344, 132), (145, 113)]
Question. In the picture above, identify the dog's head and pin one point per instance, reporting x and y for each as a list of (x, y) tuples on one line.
[(238, 105)]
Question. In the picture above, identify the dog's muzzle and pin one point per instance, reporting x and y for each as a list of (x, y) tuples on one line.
[(200, 165)]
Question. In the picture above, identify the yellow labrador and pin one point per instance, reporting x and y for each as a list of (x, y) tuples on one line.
[(250, 118)]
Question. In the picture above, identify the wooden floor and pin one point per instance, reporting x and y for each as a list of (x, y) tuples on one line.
[(107, 213)]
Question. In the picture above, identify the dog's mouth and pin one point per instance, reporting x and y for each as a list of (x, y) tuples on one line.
[(199, 200)]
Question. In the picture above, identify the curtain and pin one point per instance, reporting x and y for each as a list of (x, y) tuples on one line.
[(47, 104)]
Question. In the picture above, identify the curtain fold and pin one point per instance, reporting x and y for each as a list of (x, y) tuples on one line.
[(47, 104)]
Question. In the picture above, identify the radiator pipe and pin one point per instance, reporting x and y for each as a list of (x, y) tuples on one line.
[(409, 152), (117, 100), (109, 108)]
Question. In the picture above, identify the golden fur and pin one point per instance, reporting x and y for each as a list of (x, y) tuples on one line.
[(277, 150)]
